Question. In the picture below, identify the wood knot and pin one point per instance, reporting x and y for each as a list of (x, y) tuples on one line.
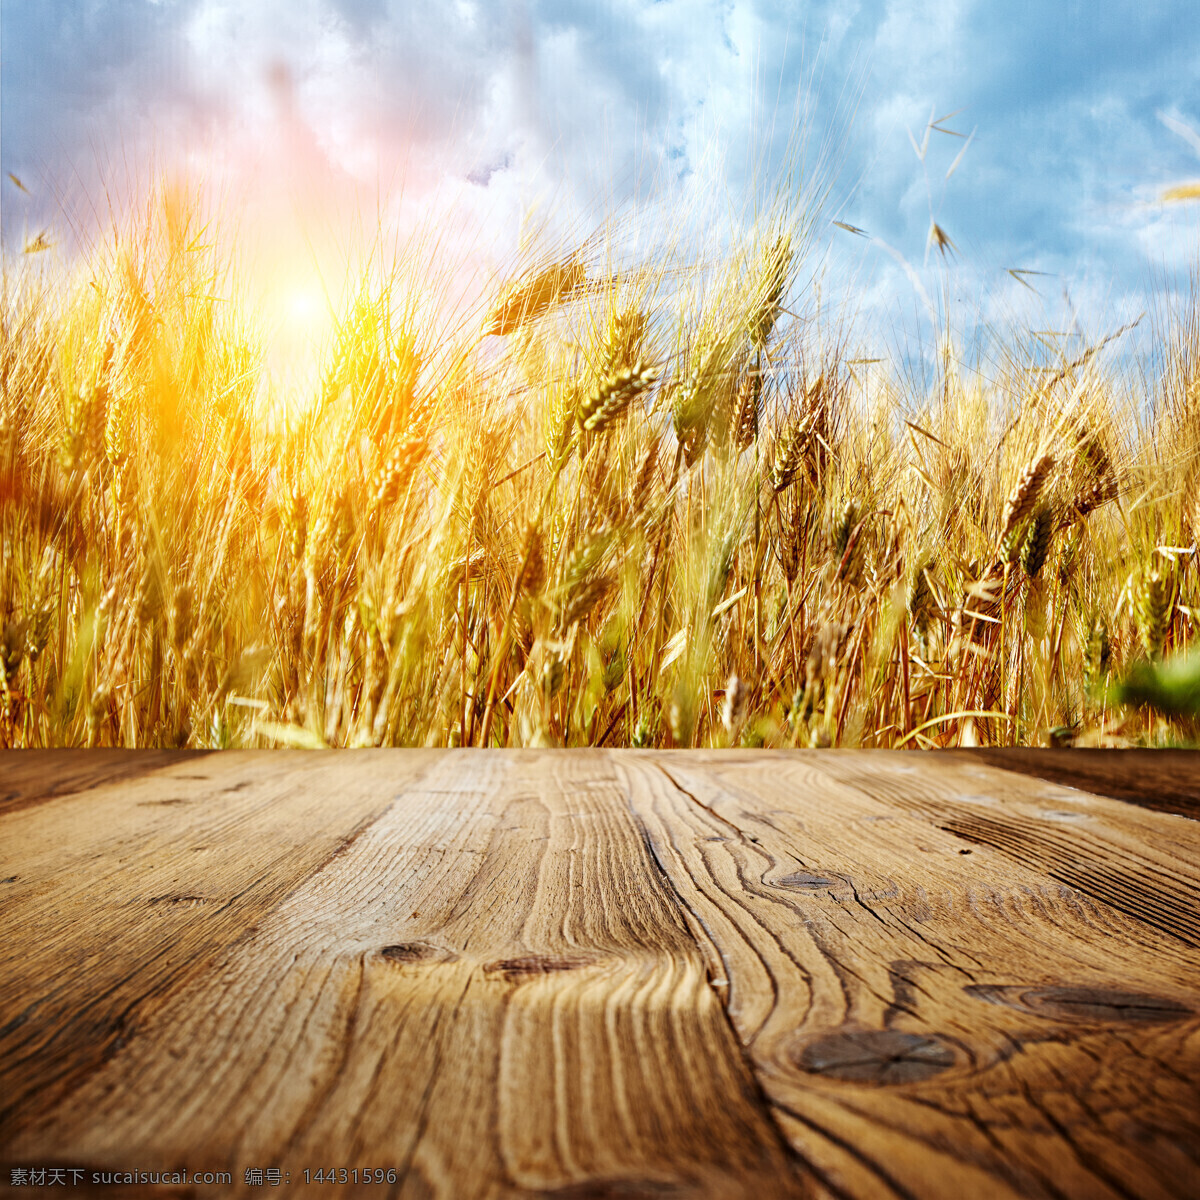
[(529, 966), (802, 879), (884, 1056), (414, 952), (1091, 1004)]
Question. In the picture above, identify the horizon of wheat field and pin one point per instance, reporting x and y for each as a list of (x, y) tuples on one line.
[(648, 498)]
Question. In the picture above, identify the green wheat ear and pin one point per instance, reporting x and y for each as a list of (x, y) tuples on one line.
[(1097, 656), (921, 602), (1036, 546), (1171, 688), (1154, 605), (772, 283)]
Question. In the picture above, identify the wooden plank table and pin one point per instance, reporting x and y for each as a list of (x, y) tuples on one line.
[(599, 974)]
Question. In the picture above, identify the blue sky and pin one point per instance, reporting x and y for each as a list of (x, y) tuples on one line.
[(1081, 115)]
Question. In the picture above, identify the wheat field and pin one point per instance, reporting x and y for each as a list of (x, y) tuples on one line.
[(668, 502)]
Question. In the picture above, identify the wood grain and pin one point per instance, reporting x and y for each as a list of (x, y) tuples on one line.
[(1167, 780), (884, 974), (1127, 858), (31, 776), (601, 974), (123, 893), (490, 989)]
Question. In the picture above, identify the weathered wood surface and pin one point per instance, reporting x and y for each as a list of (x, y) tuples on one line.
[(1168, 780), (598, 974)]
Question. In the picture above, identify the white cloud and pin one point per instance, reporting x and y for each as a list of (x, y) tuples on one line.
[(1078, 114)]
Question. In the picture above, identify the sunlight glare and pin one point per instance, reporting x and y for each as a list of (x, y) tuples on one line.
[(297, 318)]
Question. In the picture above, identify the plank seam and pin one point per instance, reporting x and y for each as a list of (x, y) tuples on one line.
[(760, 1098)]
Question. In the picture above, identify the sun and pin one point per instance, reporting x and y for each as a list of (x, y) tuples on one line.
[(305, 306), (301, 308), (297, 315)]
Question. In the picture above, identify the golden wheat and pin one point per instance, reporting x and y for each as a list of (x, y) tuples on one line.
[(545, 540)]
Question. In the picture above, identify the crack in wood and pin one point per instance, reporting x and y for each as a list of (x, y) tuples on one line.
[(530, 966)]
